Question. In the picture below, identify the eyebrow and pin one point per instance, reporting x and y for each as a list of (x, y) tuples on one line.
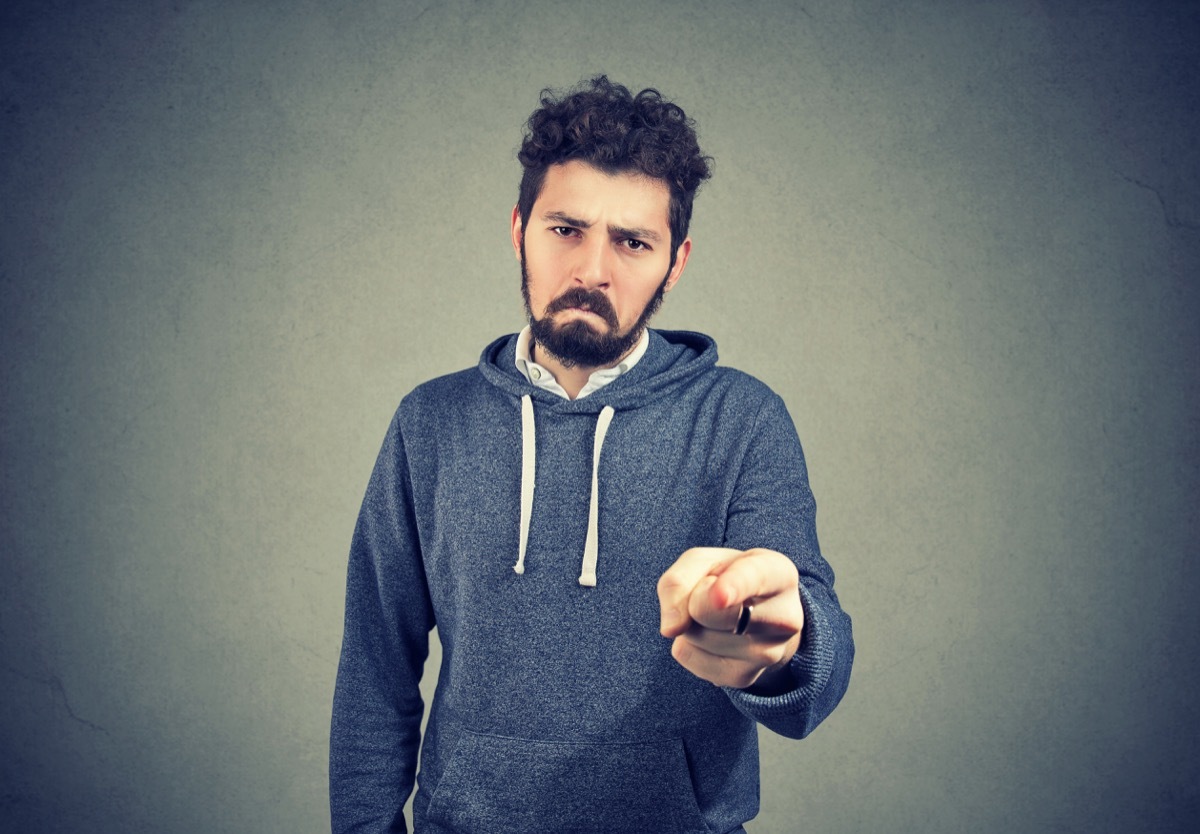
[(618, 231)]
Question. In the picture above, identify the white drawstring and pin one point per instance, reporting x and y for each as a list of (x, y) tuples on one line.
[(591, 546), (528, 470)]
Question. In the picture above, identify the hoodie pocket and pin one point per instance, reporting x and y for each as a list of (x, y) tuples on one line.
[(497, 785)]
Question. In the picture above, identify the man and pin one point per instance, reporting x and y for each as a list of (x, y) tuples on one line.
[(614, 537)]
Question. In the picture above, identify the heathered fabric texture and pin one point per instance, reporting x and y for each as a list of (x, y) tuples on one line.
[(558, 707)]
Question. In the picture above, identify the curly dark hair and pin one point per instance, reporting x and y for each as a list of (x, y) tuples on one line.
[(603, 124)]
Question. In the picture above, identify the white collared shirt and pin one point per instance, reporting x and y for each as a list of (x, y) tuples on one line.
[(540, 376)]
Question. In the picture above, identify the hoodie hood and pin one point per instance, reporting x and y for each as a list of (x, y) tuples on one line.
[(672, 359)]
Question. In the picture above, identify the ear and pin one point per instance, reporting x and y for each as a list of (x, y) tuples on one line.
[(681, 259), (518, 232)]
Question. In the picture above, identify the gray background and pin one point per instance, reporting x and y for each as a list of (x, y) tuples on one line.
[(962, 240)]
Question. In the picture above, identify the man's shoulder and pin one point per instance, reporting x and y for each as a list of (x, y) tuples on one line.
[(746, 399), (454, 381), (741, 383), (445, 390)]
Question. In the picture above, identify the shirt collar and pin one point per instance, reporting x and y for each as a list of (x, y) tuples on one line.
[(540, 376)]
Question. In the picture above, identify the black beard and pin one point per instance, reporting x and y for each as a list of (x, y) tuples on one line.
[(576, 343)]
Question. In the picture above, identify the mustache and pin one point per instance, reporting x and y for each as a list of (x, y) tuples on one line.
[(591, 300)]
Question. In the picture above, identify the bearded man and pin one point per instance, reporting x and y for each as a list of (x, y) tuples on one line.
[(614, 536)]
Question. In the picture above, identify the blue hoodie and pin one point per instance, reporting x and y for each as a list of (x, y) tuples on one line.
[(532, 530)]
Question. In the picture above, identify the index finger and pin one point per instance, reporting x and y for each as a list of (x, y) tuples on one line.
[(758, 575), (675, 586)]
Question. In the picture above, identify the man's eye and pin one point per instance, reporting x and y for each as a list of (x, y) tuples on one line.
[(636, 245), (562, 231)]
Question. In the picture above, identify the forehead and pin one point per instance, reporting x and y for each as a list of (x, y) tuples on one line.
[(627, 199)]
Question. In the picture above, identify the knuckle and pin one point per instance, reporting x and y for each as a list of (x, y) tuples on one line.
[(680, 650), (670, 591), (669, 586)]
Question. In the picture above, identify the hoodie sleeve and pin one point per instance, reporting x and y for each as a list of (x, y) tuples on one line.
[(773, 507), (377, 707)]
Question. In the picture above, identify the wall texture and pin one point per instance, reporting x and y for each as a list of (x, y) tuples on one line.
[(962, 240)]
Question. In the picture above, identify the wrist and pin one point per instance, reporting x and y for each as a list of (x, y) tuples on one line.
[(777, 679)]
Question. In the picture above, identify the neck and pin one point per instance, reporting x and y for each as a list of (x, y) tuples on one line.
[(573, 378)]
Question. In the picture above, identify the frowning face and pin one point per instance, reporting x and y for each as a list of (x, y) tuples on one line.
[(595, 261)]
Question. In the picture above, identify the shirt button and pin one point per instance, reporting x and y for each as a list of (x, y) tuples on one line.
[(535, 372)]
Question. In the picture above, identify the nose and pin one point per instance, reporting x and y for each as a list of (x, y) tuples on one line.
[(593, 268)]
